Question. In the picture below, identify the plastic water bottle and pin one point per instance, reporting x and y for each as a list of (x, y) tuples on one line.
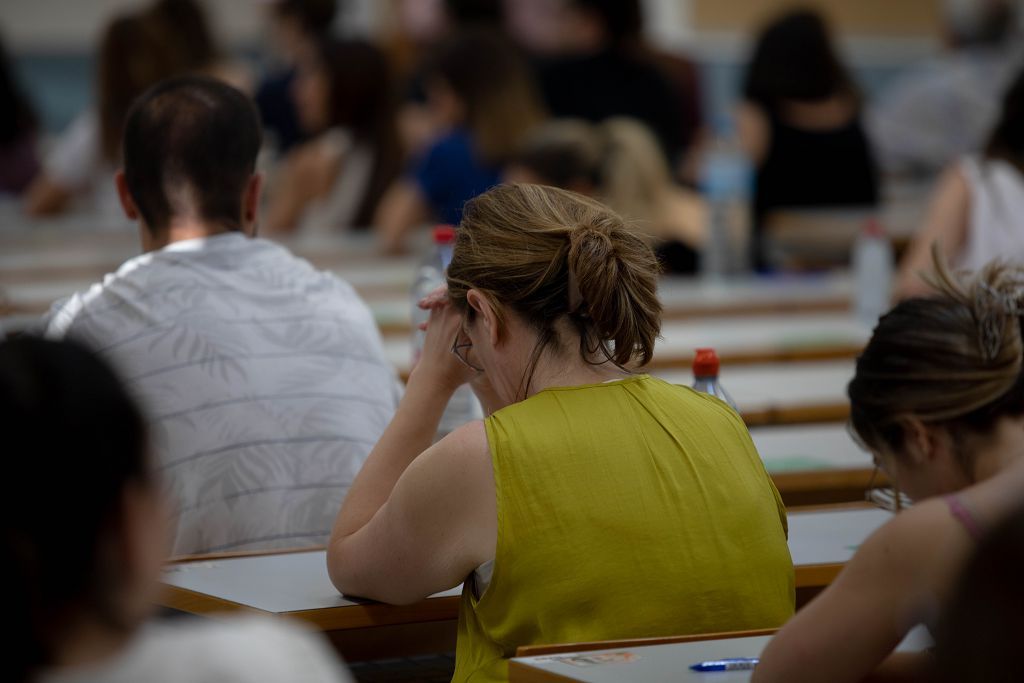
[(463, 406), (726, 180), (705, 376), (872, 267)]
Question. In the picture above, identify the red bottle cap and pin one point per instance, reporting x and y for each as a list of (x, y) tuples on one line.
[(873, 228), (444, 234), (705, 363)]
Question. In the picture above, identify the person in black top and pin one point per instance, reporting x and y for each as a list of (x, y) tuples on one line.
[(607, 72), (800, 123)]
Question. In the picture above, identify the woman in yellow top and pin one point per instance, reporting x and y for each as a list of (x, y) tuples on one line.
[(592, 503)]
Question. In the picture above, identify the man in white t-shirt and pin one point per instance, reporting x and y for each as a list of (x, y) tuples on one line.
[(265, 380)]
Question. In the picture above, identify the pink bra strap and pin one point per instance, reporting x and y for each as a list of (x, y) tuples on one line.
[(963, 515)]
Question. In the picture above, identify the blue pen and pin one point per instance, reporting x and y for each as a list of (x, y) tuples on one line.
[(732, 664)]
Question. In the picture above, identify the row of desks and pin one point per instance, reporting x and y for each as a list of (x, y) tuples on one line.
[(296, 585), (767, 331), (667, 661)]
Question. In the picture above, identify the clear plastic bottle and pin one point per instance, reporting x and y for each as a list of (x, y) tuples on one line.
[(872, 268), (705, 376), (726, 181), (463, 406)]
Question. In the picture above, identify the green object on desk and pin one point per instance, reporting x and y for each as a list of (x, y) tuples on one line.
[(796, 463)]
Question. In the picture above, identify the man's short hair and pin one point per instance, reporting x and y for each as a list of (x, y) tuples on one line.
[(190, 146)]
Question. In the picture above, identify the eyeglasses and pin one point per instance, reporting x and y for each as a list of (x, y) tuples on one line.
[(886, 497), (461, 351)]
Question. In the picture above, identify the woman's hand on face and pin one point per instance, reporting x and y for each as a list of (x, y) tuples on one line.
[(437, 361)]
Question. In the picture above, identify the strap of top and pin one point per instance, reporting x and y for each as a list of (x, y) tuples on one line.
[(963, 514)]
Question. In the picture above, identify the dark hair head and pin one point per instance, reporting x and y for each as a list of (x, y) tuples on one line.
[(134, 54), (313, 16), (982, 626), (623, 20), (362, 99), (495, 87), (185, 22), (794, 59), (952, 360), (76, 441), (17, 117), (563, 153), (190, 144), (549, 255), (1007, 139)]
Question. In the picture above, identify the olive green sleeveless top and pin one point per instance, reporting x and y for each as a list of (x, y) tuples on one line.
[(625, 510)]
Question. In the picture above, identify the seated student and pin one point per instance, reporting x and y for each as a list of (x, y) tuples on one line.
[(265, 379), (800, 124), (482, 97), (603, 68), (982, 625), (344, 96), (592, 503), (86, 557), (938, 398), (198, 52), (294, 27), (619, 162), (77, 172), (976, 212)]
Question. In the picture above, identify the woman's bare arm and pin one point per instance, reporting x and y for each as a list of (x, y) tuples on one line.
[(945, 224)]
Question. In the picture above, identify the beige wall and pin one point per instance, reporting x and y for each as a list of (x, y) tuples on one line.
[(889, 18), (75, 25)]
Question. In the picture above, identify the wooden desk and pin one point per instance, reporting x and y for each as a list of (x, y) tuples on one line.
[(296, 585), (815, 464), (663, 663), (749, 339), (783, 393), (60, 257)]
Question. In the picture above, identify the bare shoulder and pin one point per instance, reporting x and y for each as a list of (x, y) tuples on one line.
[(919, 545), (463, 453)]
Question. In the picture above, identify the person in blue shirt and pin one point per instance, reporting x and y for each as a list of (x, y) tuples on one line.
[(483, 102)]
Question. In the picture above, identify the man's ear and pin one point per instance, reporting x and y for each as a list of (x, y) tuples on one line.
[(251, 204), (485, 311), (127, 203)]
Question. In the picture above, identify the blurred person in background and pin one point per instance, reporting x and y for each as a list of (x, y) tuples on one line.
[(87, 557), (619, 162), (943, 109), (800, 125), (19, 127), (604, 69), (484, 101), (423, 25), (198, 50), (167, 38), (296, 27), (977, 212), (134, 53), (344, 95)]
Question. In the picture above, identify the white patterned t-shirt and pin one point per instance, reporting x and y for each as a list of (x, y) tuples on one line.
[(264, 380)]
